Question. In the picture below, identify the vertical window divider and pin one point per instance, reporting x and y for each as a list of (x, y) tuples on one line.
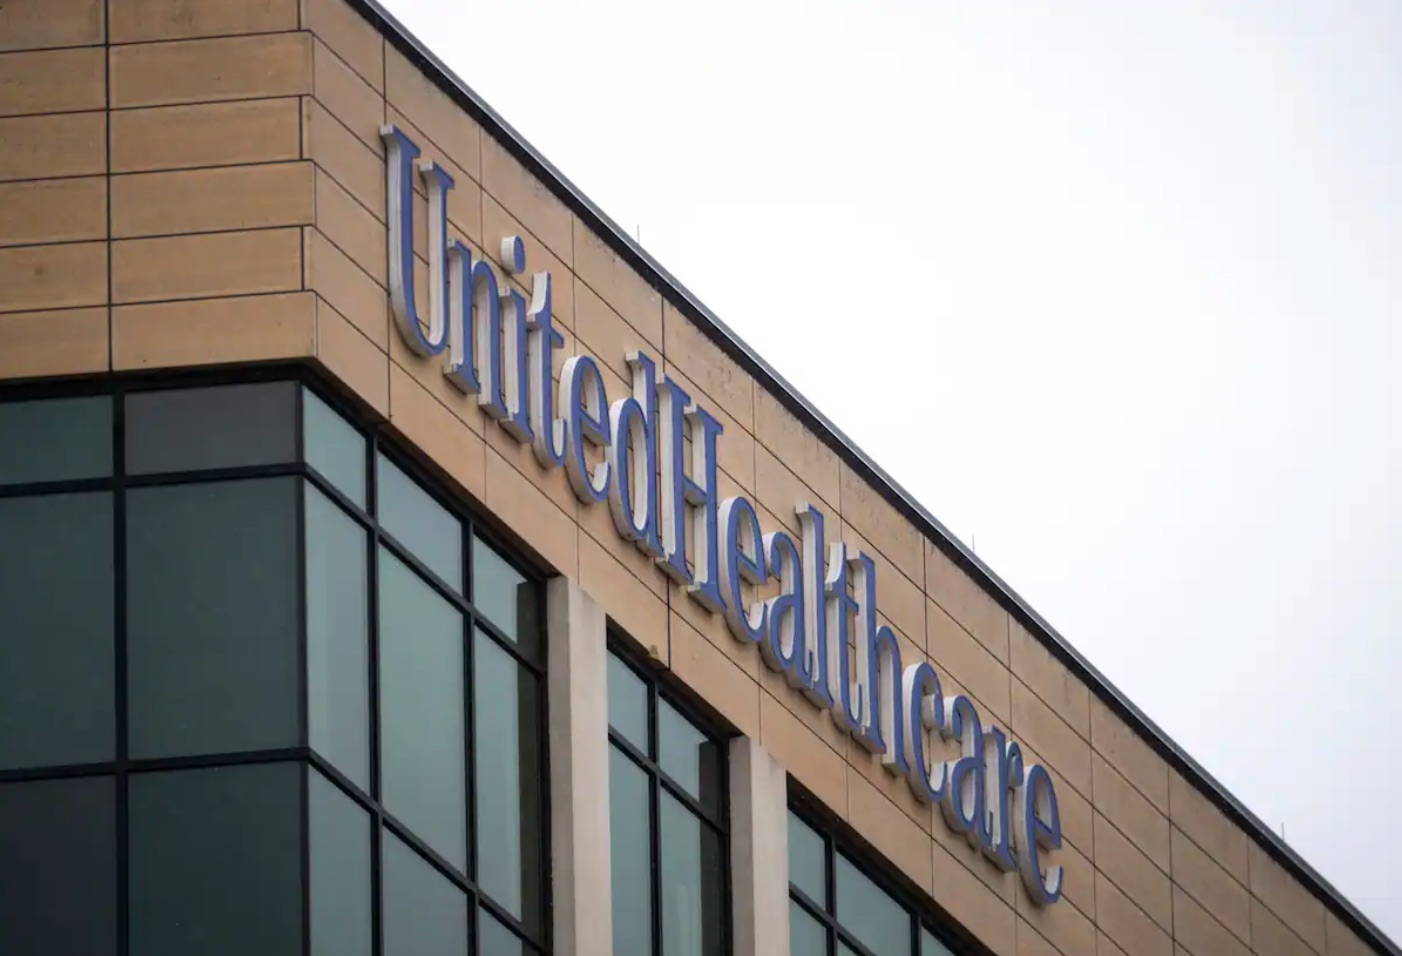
[(469, 738), (119, 652), (372, 570)]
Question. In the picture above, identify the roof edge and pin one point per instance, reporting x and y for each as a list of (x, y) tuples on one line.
[(727, 340)]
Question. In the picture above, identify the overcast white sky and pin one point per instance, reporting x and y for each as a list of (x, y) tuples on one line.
[(1112, 288)]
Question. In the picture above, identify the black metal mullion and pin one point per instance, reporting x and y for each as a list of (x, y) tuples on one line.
[(377, 823), (119, 595), (469, 698)]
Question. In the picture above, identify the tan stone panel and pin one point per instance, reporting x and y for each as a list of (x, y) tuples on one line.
[(1130, 811), (1211, 886), (52, 81), (818, 721), (1048, 678), (1133, 872), (214, 331), (1078, 877), (1031, 943), (713, 628), (954, 651), (1300, 909), (812, 762), (1126, 924), (33, 278), (53, 210), (898, 598), (59, 342), (1343, 941), (1037, 724), (205, 134), (1063, 923), (552, 482), (40, 24), (891, 832), (353, 229), (597, 523), (350, 35), (1208, 827), (350, 290), (804, 452), (735, 448), (864, 507), (780, 490), (212, 200), (547, 529), (347, 96), (1197, 932), (420, 418), (527, 198), (972, 904), (634, 606), (704, 363), (441, 119), (965, 601), (355, 360), (1271, 937), (702, 667), (605, 335), (63, 144), (213, 264), (136, 21), (497, 224), (197, 71), (464, 199), (1077, 817), (1129, 754), (353, 165), (618, 284), (1104, 946)]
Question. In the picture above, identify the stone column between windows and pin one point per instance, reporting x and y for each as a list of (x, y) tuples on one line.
[(576, 683), (759, 850)]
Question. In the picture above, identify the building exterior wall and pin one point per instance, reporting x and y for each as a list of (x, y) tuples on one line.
[(195, 182)]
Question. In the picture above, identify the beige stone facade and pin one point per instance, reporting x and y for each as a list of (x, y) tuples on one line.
[(201, 182)]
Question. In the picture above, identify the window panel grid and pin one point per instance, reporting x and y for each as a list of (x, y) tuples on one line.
[(524, 654)]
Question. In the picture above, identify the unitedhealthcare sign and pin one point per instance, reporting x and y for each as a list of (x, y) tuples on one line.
[(498, 350)]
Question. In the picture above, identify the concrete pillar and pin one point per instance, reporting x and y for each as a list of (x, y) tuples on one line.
[(579, 763), (759, 850)]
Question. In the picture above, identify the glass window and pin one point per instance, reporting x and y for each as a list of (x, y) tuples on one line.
[(424, 913), (929, 946), (422, 710), (333, 447), (341, 903), (206, 428), (504, 596), (507, 760), (212, 610), (338, 637), (215, 862), (807, 936), (59, 439), (668, 832), (418, 522), (57, 664), (868, 913), (808, 869), (58, 881), (494, 939)]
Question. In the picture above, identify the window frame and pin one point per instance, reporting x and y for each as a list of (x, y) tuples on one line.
[(661, 689), (476, 523), (837, 837)]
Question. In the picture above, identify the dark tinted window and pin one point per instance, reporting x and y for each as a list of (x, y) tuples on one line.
[(58, 867), (57, 665), (338, 637), (215, 862), (692, 904), (206, 428), (503, 596), (60, 439), (869, 913), (690, 757), (333, 447), (808, 869), (419, 522), (494, 939), (630, 856), (424, 913), (212, 617), (339, 832), (627, 703)]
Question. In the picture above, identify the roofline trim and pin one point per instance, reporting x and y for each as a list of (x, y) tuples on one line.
[(729, 342)]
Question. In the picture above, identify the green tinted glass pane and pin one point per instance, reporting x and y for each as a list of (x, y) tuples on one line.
[(212, 608), (424, 913), (494, 939), (869, 914), (338, 637), (57, 662), (229, 426), (507, 766), (58, 881), (688, 756), (503, 596), (195, 836), (807, 936), (692, 893), (630, 856), (807, 861), (422, 710), (929, 946), (419, 523), (341, 904), (59, 439), (627, 703), (333, 447)]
